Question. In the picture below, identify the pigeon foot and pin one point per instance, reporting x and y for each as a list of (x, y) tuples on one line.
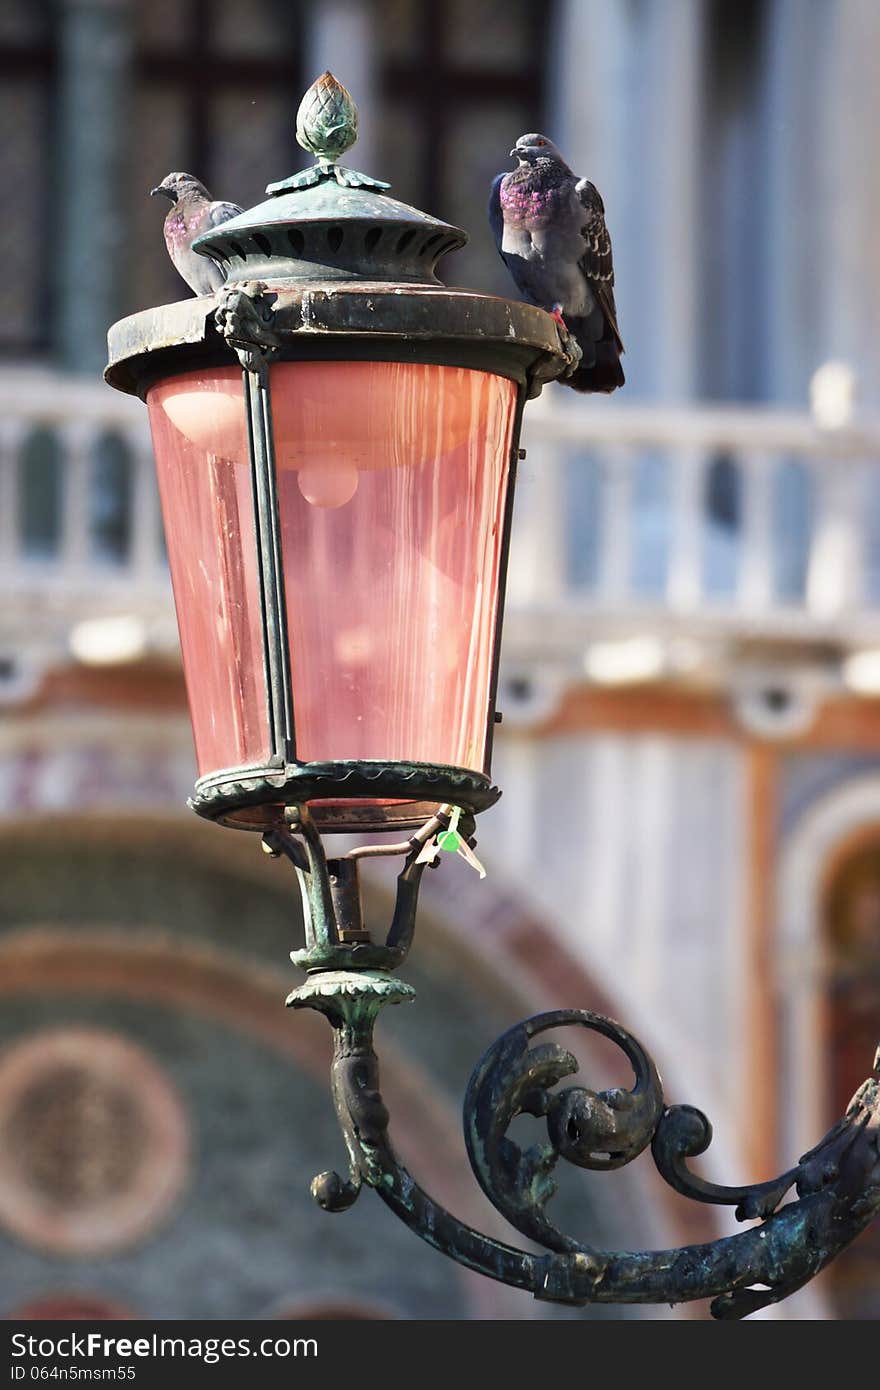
[(569, 343)]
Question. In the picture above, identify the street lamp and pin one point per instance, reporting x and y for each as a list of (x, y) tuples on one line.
[(337, 508)]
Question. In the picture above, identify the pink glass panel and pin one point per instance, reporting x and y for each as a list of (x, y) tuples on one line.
[(391, 480), (200, 442)]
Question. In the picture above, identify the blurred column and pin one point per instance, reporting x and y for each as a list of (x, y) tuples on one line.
[(799, 261), (92, 145), (339, 37), (13, 433), (850, 182), (835, 576), (78, 439), (627, 96), (616, 533), (684, 587), (673, 225), (756, 577)]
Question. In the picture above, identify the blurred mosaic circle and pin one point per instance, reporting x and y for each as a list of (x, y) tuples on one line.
[(94, 1141)]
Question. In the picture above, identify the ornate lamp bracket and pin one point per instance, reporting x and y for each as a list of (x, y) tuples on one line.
[(837, 1183)]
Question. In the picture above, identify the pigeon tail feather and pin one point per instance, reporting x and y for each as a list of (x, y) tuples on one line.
[(601, 369), (604, 376)]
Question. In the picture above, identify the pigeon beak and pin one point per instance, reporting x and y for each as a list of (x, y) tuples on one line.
[(164, 192), (514, 153)]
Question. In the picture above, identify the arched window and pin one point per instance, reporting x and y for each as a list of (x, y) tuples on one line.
[(732, 364), (27, 58), (453, 100), (39, 493), (208, 74), (852, 939)]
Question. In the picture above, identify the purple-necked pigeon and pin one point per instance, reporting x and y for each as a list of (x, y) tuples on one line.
[(192, 212), (549, 227)]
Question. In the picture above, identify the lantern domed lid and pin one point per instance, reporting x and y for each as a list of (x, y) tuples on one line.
[(330, 222), (349, 269)]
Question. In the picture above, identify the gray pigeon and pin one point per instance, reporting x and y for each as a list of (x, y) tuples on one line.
[(192, 212), (549, 227)]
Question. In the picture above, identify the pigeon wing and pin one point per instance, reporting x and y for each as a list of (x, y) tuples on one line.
[(221, 212), (496, 216), (596, 261)]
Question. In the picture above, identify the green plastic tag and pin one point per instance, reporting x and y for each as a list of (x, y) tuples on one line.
[(450, 840)]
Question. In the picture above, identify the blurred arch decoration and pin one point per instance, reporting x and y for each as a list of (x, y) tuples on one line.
[(851, 939), (151, 965), (835, 820), (76, 1306), (330, 271), (334, 1307), (95, 1141)]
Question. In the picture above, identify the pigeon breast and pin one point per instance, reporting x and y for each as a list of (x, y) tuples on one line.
[(543, 218)]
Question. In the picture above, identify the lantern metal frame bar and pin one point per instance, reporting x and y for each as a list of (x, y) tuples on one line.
[(279, 714), (352, 278), (494, 715)]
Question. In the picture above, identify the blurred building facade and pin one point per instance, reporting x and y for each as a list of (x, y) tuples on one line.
[(689, 836)]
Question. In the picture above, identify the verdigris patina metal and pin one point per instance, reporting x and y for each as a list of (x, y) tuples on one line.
[(837, 1182), (326, 126)]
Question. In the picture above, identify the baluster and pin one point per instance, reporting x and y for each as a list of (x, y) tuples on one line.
[(12, 435), (77, 441), (860, 502), (684, 584), (756, 578), (147, 564), (615, 532), (537, 558), (835, 577)]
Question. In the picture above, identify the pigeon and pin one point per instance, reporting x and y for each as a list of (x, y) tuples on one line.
[(549, 227), (192, 212)]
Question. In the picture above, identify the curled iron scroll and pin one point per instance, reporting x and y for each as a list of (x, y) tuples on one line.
[(593, 1129), (838, 1182)]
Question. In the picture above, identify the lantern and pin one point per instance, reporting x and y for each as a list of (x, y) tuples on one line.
[(336, 439)]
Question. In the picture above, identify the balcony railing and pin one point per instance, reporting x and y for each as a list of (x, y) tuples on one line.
[(733, 519), (721, 520), (80, 529)]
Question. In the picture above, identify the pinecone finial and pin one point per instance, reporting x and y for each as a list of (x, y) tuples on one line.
[(327, 119)]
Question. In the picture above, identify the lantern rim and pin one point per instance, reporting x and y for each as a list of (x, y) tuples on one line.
[(231, 794), (344, 321)]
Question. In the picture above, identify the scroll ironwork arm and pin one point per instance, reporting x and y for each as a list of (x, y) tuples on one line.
[(838, 1182)]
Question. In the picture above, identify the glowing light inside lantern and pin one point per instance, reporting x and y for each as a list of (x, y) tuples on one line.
[(328, 483)]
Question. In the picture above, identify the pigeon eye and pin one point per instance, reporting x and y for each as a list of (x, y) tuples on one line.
[(540, 142)]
